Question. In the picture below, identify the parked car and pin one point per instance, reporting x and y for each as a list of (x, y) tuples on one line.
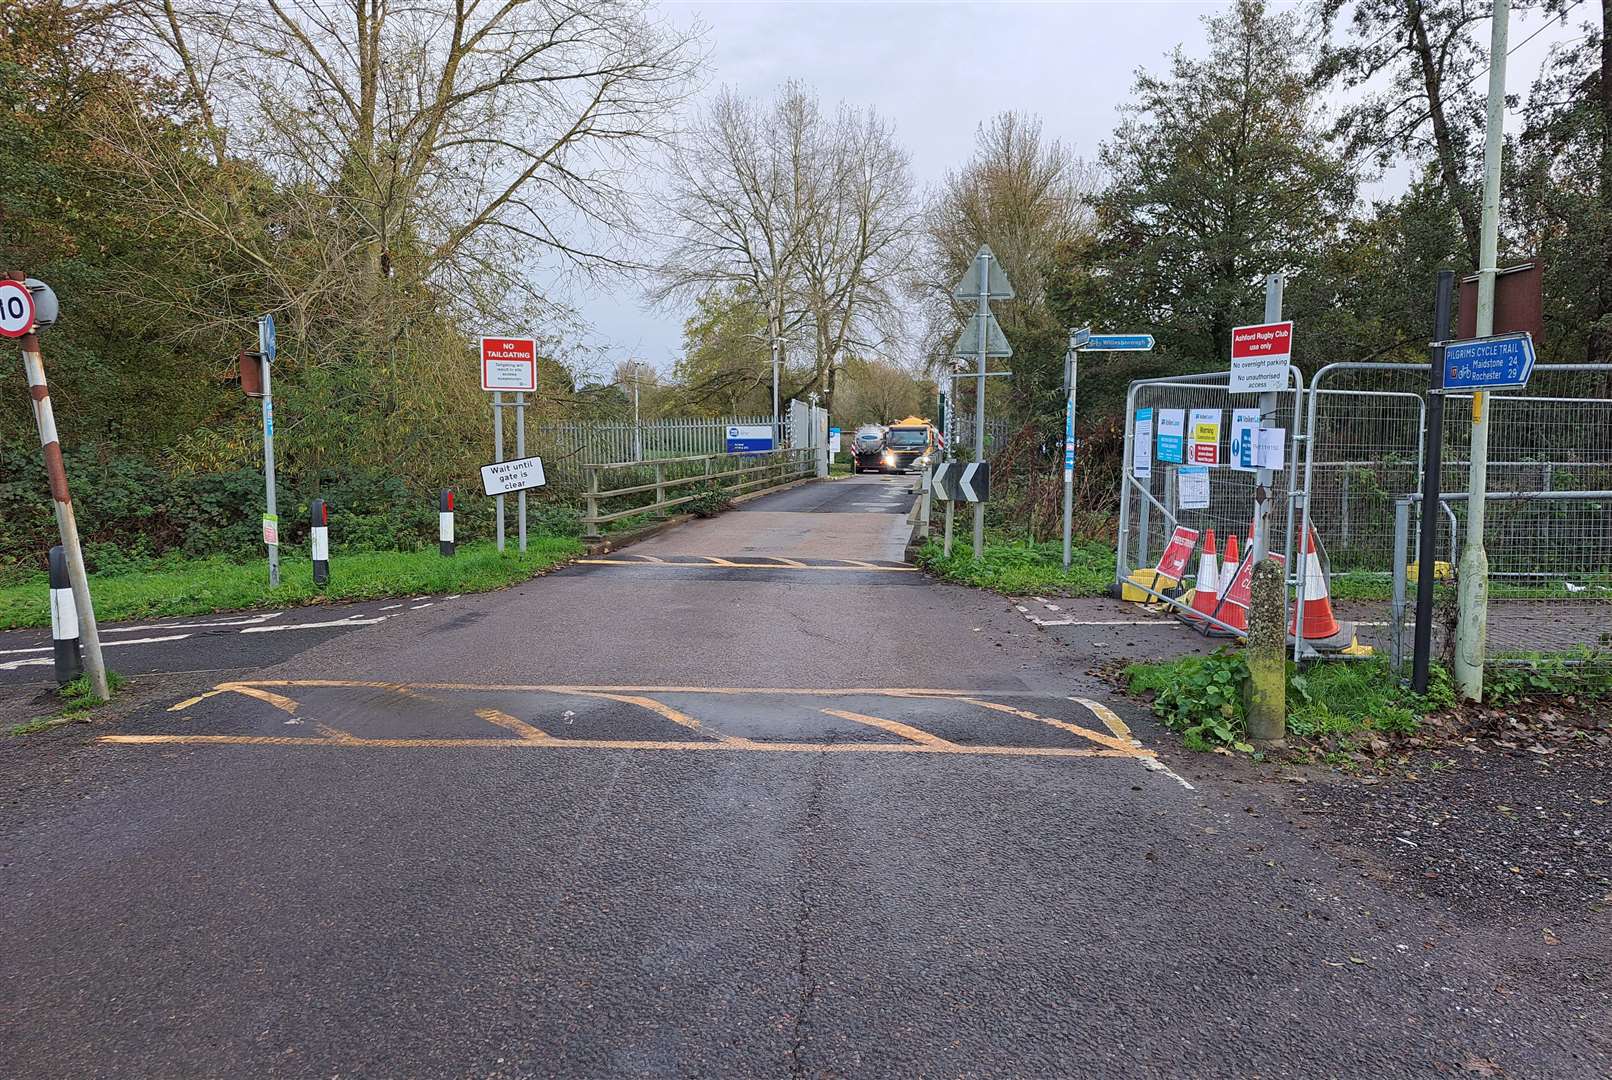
[(867, 449), (910, 444)]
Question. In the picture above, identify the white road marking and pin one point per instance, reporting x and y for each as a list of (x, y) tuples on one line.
[(315, 625), (389, 607), (251, 621), (40, 661), (1112, 721), (453, 596), (417, 607)]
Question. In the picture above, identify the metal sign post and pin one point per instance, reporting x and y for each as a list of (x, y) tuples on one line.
[(520, 452), (1077, 338), (498, 455), (1432, 469), (271, 514), (1267, 412), (983, 283)]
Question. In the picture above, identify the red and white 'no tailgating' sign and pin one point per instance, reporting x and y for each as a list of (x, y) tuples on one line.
[(508, 364), (16, 309)]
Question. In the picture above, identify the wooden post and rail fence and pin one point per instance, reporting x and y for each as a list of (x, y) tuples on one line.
[(669, 480)]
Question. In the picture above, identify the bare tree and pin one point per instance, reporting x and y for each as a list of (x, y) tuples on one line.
[(457, 144), (1024, 195), (810, 214)]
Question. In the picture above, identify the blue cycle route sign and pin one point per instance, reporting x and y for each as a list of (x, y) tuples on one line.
[(1119, 343), (1502, 362)]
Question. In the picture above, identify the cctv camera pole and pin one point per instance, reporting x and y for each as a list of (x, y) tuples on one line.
[(56, 472)]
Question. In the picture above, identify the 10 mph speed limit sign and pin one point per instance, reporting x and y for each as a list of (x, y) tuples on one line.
[(16, 309)]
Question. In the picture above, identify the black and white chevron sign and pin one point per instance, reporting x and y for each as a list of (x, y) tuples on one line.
[(956, 481)]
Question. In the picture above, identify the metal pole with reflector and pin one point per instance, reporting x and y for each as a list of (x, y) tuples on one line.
[(64, 620), (445, 522), (319, 540)]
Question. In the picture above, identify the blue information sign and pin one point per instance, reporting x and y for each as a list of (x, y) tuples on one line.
[(1119, 343), (1492, 363), (749, 438)]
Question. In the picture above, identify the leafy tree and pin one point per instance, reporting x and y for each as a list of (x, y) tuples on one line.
[(1221, 173), (1421, 62)]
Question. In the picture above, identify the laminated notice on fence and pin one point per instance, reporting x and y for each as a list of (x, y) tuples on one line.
[(1173, 563), (1172, 435), (1142, 445), (1243, 454), (1194, 487), (1204, 448), (502, 477), (1273, 448)]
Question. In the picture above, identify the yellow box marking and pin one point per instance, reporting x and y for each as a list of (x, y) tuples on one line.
[(1120, 744), (693, 746), (1063, 725), (519, 727), (894, 727), (1108, 716)]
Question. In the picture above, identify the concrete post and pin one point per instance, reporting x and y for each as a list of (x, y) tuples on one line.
[(1472, 631), (1265, 695)]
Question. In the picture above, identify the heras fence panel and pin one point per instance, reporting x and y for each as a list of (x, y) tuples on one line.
[(1546, 530), (1151, 504)]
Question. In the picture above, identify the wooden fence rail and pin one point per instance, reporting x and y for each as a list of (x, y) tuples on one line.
[(731, 474)]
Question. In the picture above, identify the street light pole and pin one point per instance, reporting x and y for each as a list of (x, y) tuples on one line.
[(1473, 579)]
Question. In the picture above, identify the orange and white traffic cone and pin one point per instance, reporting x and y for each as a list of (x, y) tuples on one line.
[(1319, 621), (1230, 614), (1206, 589)]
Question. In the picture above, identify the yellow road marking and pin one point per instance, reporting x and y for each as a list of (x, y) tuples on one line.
[(279, 701), (519, 727), (894, 727), (662, 709), (181, 706), (567, 688), (336, 735), (1108, 716), (728, 564), (611, 744), (1075, 729)]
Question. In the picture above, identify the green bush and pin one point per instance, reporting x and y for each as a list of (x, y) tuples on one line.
[(1199, 696)]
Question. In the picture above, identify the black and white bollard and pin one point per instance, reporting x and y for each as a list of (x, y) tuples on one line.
[(64, 620), (319, 519), (445, 521)]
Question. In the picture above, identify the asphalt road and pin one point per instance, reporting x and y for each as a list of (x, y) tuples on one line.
[(711, 816)]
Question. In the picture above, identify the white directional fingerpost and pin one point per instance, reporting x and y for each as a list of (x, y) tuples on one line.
[(984, 282)]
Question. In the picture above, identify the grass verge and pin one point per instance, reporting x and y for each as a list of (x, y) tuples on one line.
[(1332, 706), (1020, 567), (204, 586), (78, 702)]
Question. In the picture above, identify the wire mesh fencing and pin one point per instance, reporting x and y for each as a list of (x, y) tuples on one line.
[(1151, 505), (566, 447)]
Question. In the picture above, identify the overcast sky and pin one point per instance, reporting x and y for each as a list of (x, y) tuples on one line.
[(936, 70)]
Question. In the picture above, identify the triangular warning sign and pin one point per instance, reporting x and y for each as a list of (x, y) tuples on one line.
[(996, 281), (996, 343)]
